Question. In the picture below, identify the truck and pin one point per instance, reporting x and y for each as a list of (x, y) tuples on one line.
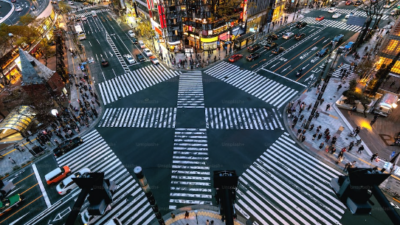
[(81, 34), (385, 105)]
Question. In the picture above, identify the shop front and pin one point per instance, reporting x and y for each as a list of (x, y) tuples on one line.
[(255, 22), (174, 46), (244, 41), (209, 43)]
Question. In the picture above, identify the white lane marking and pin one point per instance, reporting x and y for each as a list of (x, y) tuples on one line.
[(44, 193)]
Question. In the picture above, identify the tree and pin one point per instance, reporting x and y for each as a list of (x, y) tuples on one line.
[(64, 7), (364, 68), (145, 30), (27, 19), (46, 50)]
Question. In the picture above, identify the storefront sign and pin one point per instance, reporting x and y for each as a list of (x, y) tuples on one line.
[(158, 30), (174, 43), (190, 28), (210, 32), (213, 39)]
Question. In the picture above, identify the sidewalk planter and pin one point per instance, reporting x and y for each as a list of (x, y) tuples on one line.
[(341, 103)]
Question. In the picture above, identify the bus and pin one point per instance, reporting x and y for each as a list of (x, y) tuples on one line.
[(79, 32)]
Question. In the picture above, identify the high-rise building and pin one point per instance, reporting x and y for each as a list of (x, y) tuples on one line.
[(390, 47)]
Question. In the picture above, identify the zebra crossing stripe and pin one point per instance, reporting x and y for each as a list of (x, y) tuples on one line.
[(101, 86), (256, 215)]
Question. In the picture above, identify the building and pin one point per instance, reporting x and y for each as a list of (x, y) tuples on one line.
[(389, 48), (259, 14)]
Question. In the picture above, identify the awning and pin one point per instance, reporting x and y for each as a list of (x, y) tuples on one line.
[(17, 120), (237, 30), (224, 36), (244, 37)]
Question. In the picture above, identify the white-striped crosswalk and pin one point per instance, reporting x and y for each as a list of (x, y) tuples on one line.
[(89, 13), (355, 12), (242, 118), (337, 72), (190, 93), (96, 155), (190, 179), (288, 186), (139, 117), (134, 81), (261, 87), (333, 23)]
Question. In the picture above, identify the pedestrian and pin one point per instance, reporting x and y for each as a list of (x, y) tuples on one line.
[(360, 149), (319, 136), (374, 156), (326, 131), (57, 142), (338, 88), (349, 165), (316, 115), (322, 101), (374, 120), (303, 138), (319, 128), (334, 138), (351, 145), (332, 150), (304, 131), (311, 127), (172, 215), (321, 145), (301, 117), (314, 136), (12, 160), (304, 123), (207, 222), (212, 222), (328, 106)]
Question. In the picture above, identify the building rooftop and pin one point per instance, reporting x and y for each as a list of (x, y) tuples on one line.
[(33, 71)]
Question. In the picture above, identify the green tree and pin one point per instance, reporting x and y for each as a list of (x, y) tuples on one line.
[(64, 7), (145, 30), (27, 19), (364, 67), (46, 49)]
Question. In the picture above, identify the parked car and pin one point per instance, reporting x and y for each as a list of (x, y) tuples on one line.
[(67, 185), (235, 57), (67, 146), (299, 36), (301, 24), (349, 46), (323, 52), (336, 15), (57, 175), (131, 34), (332, 10), (338, 39), (288, 35), (154, 60), (104, 62), (140, 58), (9, 203), (348, 2), (270, 45), (319, 18), (253, 56), (141, 44), (134, 40), (278, 50), (130, 59), (147, 52), (253, 48)]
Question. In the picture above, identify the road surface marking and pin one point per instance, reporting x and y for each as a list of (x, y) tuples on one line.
[(44, 194)]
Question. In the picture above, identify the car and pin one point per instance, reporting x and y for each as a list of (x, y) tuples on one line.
[(394, 12), (272, 37), (54, 2), (338, 39), (33, 8), (67, 146), (336, 15), (278, 50), (299, 36), (140, 58), (301, 24), (253, 56), (67, 185), (386, 6), (235, 57), (348, 15), (147, 52), (331, 10), (57, 174), (130, 59), (134, 40), (18, 9), (70, 3), (83, 18), (288, 35), (349, 45), (333, 4), (104, 62), (349, 2), (270, 45), (319, 18), (13, 1), (9, 203), (323, 52), (358, 3), (253, 48), (130, 33), (154, 60), (141, 44)]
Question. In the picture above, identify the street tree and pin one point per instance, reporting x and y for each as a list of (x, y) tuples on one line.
[(145, 30), (64, 7), (46, 49), (27, 19), (364, 67)]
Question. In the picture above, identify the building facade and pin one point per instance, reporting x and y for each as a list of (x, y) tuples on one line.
[(389, 48)]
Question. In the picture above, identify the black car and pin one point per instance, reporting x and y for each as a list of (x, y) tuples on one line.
[(276, 51), (252, 56), (299, 36), (333, 4), (67, 146), (301, 24), (338, 39), (358, 3), (104, 62), (253, 48), (270, 45), (272, 37), (140, 58), (323, 52), (134, 40)]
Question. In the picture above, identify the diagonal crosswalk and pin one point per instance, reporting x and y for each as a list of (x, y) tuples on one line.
[(190, 179), (242, 118), (190, 93), (89, 13), (332, 23), (288, 186), (139, 117), (355, 12), (261, 87), (337, 72), (97, 155), (134, 81)]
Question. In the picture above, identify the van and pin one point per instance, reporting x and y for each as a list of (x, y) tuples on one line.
[(57, 175), (386, 104), (141, 44)]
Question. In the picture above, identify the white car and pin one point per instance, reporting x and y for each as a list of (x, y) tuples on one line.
[(386, 6), (332, 10), (83, 18), (288, 35), (67, 185), (18, 9), (130, 59), (336, 15), (131, 34), (147, 52), (70, 3), (154, 60), (348, 15), (141, 44)]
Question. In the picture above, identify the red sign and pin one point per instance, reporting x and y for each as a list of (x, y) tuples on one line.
[(190, 28), (241, 15), (158, 30), (163, 22), (150, 6)]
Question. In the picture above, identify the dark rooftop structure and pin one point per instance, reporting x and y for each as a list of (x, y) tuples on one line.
[(33, 71)]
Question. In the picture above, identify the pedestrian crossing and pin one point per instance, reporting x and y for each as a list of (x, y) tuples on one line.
[(190, 177), (139, 117), (261, 87), (242, 118), (344, 12), (134, 81), (190, 92), (333, 23), (285, 185), (97, 155), (337, 72), (89, 13)]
